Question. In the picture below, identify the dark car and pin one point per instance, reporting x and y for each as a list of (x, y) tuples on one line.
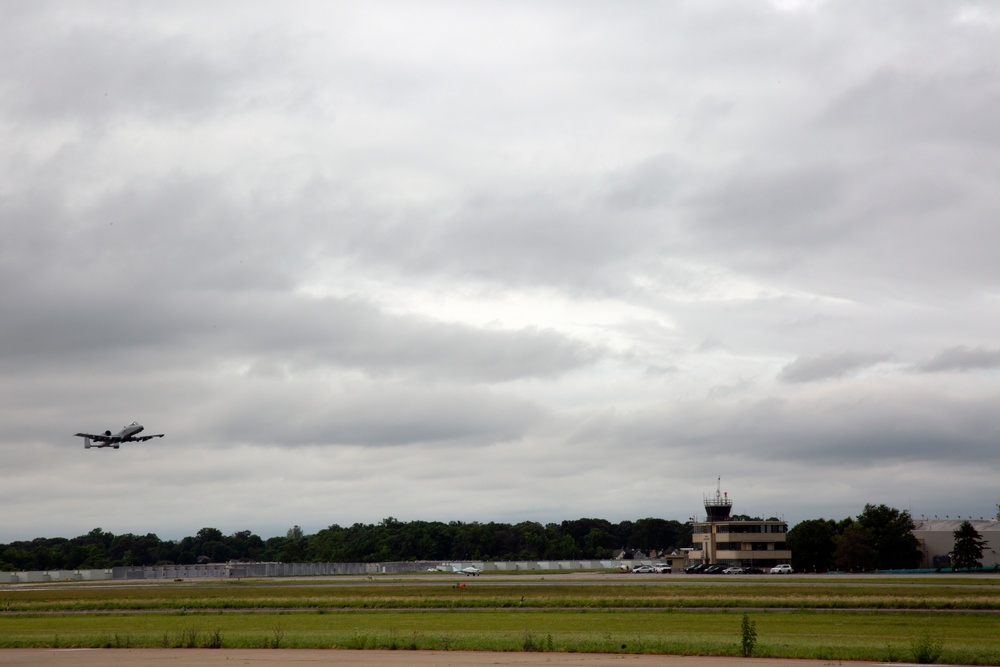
[(695, 569), (752, 570), (713, 569)]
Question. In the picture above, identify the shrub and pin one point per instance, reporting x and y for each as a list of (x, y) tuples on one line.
[(926, 650), (749, 636), (279, 635), (214, 640)]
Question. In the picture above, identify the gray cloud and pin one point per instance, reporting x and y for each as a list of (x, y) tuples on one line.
[(828, 366), (903, 105), (844, 428), (267, 331), (95, 72), (962, 358), (264, 412)]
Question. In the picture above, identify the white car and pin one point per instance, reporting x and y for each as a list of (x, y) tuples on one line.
[(784, 568), (661, 568), (733, 570)]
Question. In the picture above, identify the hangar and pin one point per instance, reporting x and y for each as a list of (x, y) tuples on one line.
[(937, 539)]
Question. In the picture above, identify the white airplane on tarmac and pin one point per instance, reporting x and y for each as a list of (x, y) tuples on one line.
[(467, 571), (109, 439)]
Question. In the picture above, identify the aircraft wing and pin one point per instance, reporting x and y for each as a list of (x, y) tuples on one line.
[(98, 438), (144, 438)]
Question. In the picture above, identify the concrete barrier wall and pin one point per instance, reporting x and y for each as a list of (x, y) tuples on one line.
[(240, 570)]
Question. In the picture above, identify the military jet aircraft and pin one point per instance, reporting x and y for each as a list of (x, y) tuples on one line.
[(109, 439)]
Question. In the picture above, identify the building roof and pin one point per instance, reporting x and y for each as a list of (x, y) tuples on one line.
[(737, 519), (951, 525)]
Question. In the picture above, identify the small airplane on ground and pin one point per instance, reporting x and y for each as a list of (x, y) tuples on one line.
[(109, 439), (467, 571)]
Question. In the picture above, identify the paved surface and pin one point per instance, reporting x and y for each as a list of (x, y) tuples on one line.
[(342, 658)]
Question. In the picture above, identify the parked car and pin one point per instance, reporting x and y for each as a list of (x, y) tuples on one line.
[(713, 569), (661, 568), (643, 569), (784, 568), (695, 569), (733, 570), (752, 570)]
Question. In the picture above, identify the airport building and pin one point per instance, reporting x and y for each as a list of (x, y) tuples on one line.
[(724, 540), (937, 540)]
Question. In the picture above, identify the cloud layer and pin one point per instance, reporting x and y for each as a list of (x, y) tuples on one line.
[(496, 262)]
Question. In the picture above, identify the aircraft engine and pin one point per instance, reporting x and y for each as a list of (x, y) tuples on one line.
[(107, 433)]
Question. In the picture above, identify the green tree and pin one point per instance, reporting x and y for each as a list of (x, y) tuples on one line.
[(562, 548), (594, 529), (853, 553), (244, 545), (599, 543), (502, 542), (129, 549), (209, 535), (813, 544), (532, 540), (967, 554), (293, 546), (889, 533), (658, 534)]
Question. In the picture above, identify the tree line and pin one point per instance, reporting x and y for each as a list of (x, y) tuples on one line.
[(389, 540), (879, 538)]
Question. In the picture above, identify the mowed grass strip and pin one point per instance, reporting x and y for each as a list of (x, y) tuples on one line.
[(964, 639), (663, 594)]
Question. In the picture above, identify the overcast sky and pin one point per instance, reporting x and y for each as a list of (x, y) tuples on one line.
[(496, 261)]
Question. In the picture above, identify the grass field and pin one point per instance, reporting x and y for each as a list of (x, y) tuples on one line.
[(949, 619)]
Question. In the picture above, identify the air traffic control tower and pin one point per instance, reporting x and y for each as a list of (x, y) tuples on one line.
[(718, 508), (722, 540)]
